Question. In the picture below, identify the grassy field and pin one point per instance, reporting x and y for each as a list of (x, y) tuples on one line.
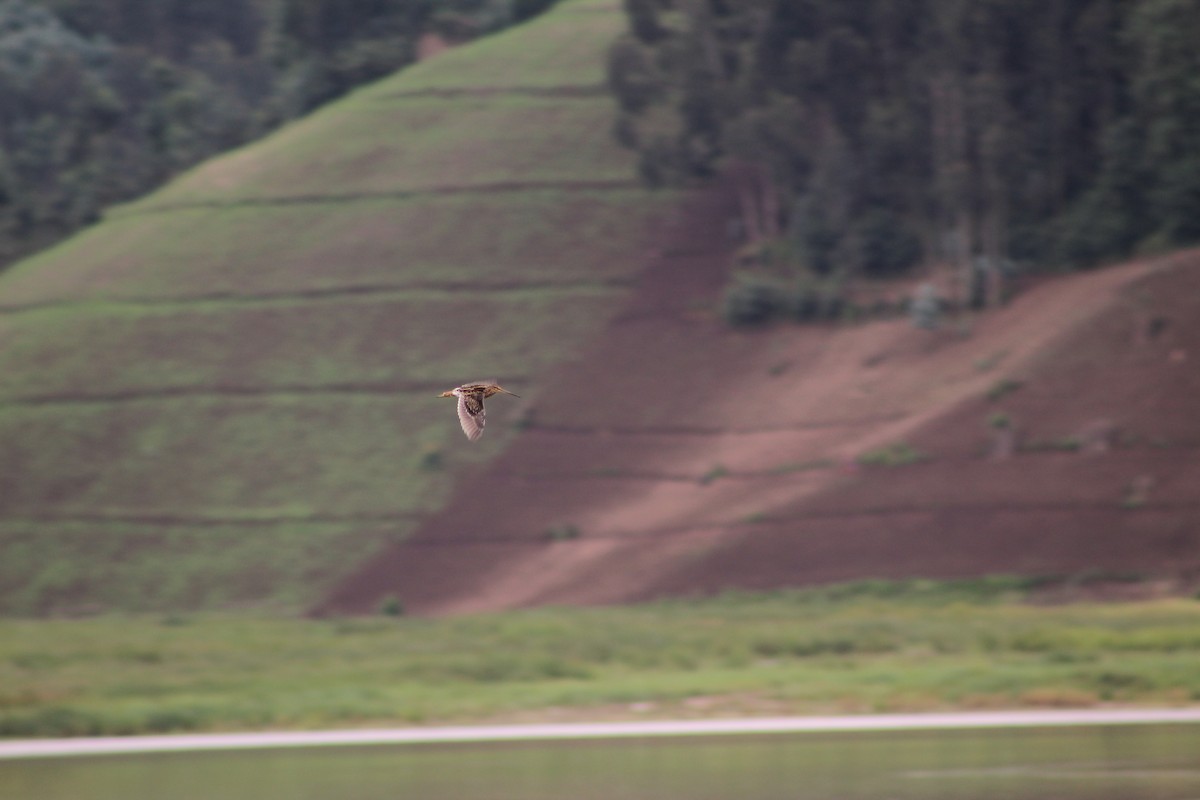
[(244, 456), (383, 340), (142, 565), (222, 395), (874, 646), (544, 236), (569, 50), (343, 151)]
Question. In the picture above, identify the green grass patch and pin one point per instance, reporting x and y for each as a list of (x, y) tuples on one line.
[(999, 421), (339, 454), (873, 646), (1003, 388), (542, 236), (343, 341), (563, 532), (568, 48), (213, 502), (990, 362), (469, 141), (802, 466), (893, 455), (281, 565)]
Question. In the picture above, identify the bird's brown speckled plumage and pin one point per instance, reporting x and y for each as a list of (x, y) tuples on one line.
[(471, 413)]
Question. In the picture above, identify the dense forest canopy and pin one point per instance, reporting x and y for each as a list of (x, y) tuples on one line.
[(870, 135), (101, 100)]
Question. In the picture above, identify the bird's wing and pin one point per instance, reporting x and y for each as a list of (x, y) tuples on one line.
[(471, 414)]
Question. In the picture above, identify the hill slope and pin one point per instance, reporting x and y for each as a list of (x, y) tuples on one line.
[(223, 394), (677, 456)]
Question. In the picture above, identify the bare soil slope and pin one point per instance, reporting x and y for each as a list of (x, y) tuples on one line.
[(1057, 435)]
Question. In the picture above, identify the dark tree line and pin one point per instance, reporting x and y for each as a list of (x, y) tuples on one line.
[(869, 135), (102, 100)]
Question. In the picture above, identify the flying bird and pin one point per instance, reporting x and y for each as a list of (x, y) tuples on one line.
[(470, 405)]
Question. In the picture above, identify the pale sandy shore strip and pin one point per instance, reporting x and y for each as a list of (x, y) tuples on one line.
[(109, 745)]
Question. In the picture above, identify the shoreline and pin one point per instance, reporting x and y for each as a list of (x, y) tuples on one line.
[(476, 734)]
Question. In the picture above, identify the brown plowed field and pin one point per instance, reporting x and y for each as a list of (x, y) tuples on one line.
[(677, 456)]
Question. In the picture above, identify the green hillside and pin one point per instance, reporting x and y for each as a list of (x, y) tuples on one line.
[(222, 395)]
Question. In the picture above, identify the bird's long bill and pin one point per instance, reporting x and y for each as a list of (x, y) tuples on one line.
[(506, 391)]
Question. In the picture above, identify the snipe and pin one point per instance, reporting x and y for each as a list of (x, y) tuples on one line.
[(471, 414)]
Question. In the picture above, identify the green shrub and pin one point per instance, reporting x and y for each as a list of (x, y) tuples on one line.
[(989, 362), (804, 303), (893, 455), (753, 300), (391, 606), (525, 420), (999, 421), (431, 458), (790, 292), (1003, 387), (562, 533)]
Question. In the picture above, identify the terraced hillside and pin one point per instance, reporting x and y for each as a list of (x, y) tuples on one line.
[(222, 395)]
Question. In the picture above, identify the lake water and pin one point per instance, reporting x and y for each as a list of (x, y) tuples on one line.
[(1118, 763)]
